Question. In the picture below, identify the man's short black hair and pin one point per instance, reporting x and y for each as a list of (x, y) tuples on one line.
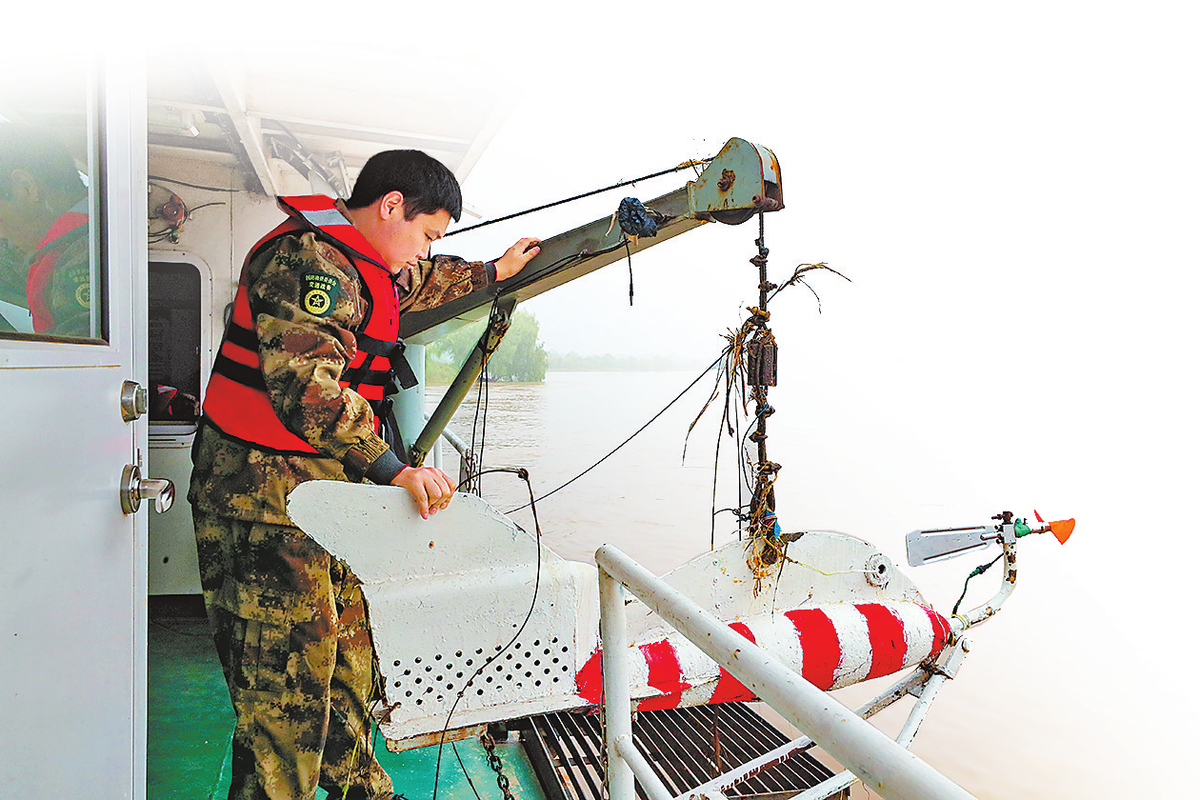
[(427, 184), (41, 155)]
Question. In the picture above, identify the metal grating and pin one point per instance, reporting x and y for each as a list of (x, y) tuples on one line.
[(685, 746)]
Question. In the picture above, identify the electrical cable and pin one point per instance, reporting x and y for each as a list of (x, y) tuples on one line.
[(742, 512), (712, 522), (729, 372), (622, 444), (523, 474), (979, 570), (463, 767), (193, 185), (629, 258), (521, 280), (683, 166), (173, 225), (481, 399)]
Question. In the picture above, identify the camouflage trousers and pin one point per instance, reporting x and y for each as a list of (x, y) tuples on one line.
[(290, 627)]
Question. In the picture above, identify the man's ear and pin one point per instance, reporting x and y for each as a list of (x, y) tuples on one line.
[(391, 203), (24, 186)]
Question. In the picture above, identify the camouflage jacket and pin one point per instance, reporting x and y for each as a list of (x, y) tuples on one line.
[(302, 357)]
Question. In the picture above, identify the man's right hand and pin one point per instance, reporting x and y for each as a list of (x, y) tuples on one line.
[(431, 488)]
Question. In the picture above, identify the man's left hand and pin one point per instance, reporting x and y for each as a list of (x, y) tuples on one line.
[(516, 258)]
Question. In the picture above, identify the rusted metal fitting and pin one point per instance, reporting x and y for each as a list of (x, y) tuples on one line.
[(767, 203), (761, 359)]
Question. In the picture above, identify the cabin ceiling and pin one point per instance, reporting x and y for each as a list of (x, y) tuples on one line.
[(324, 115)]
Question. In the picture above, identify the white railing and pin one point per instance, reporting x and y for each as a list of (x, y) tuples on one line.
[(868, 754)]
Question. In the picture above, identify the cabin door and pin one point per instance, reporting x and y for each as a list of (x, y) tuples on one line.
[(72, 358)]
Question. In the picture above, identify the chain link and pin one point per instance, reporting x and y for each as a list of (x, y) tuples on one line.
[(469, 474), (493, 759)]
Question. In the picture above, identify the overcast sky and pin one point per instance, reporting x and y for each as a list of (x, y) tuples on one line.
[(1012, 189)]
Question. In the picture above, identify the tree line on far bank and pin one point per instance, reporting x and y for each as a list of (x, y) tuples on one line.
[(574, 362), (522, 358), (519, 358)]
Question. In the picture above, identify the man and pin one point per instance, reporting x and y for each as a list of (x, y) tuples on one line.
[(44, 214), (295, 395)]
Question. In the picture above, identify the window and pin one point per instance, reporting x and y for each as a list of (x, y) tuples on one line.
[(174, 341), (50, 275)]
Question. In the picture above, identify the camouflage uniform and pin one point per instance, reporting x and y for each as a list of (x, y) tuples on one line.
[(289, 621)]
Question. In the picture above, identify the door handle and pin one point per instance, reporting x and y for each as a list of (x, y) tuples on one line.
[(134, 490)]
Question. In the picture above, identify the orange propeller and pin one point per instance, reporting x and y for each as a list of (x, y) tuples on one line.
[(1062, 529)]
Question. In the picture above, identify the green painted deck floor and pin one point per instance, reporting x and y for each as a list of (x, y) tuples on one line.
[(189, 724)]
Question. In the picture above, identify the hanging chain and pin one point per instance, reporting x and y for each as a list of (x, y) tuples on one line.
[(750, 362), (468, 473), (489, 744), (764, 548)]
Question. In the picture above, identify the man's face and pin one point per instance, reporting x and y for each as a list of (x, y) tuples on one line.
[(402, 242)]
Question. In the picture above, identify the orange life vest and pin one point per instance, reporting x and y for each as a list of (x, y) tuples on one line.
[(236, 401), (65, 230)]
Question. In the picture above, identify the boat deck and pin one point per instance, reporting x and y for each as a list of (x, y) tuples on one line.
[(558, 756), (190, 722)]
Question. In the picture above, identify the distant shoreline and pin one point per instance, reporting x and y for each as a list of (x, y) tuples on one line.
[(573, 362), (443, 374), (441, 381)]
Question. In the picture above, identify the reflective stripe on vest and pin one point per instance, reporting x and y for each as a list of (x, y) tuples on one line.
[(236, 400)]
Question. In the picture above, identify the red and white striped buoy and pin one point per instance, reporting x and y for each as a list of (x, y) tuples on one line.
[(830, 645)]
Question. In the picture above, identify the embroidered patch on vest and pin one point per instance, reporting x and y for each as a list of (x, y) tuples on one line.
[(81, 277), (320, 293)]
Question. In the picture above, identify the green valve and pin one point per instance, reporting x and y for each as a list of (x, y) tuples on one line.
[(1023, 529)]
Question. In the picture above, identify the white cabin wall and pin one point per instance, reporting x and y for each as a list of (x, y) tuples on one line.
[(218, 237)]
